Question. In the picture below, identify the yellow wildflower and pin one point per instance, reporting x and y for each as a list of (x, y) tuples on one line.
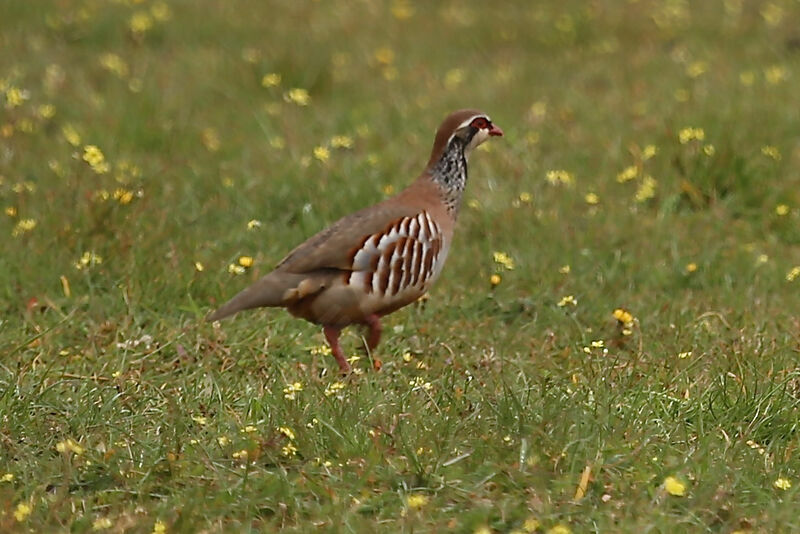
[(792, 275), (46, 111), (501, 258), (628, 173), (402, 9), (199, 267), (685, 354), (559, 529), (289, 450), (114, 64), (646, 190), (495, 280), (568, 300), (8, 477), (623, 316), (123, 196), (782, 209), (23, 226), (223, 441), (246, 261), (160, 527), (384, 56), (771, 152), (253, 223), (690, 134), (101, 523), (200, 419), (530, 525), (140, 22), (291, 390), (696, 69), (95, 158), (297, 96), (342, 141), (15, 97), (322, 153), (525, 197), (333, 388), (648, 152), (691, 267), (22, 511), (709, 150), (564, 269), (210, 139), (286, 431), (775, 74), (88, 259), (69, 445), (71, 134), (674, 487), (559, 176), (782, 483), (592, 199), (235, 269), (416, 500), (272, 79), (161, 11)]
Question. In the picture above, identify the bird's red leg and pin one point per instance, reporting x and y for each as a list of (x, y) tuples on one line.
[(375, 329), (373, 338), (332, 336)]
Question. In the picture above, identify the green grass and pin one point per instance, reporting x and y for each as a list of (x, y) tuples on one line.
[(504, 402)]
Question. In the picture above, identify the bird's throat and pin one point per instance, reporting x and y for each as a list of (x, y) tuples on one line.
[(450, 174)]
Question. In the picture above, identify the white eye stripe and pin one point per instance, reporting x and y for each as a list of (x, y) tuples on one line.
[(469, 121)]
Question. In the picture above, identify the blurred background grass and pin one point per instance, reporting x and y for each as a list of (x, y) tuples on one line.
[(650, 164)]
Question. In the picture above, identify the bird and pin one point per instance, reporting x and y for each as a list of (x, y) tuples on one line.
[(377, 260)]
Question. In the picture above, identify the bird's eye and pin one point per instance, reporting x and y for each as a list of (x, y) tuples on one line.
[(480, 123)]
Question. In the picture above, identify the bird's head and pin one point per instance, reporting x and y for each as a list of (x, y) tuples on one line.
[(471, 126)]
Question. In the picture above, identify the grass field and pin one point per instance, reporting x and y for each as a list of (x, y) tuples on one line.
[(631, 367)]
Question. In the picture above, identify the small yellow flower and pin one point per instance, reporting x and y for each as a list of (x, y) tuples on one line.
[(483, 529), (95, 158), (22, 511), (646, 190), (525, 197), (684, 355), (792, 275), (402, 9), (416, 500), (530, 525), (568, 300), (322, 154), (140, 22), (628, 173), (123, 196), (696, 69), (199, 267), (286, 431), (342, 141), (8, 477), (160, 527), (272, 79), (253, 223), (320, 350), (101, 523), (161, 11), (564, 269), (782, 483), (771, 152), (200, 419), (691, 134), (46, 111), (71, 134), (291, 390), (23, 226), (559, 176), (709, 150), (775, 74), (223, 441), (503, 259), (297, 96), (674, 487), (246, 261), (384, 56), (333, 388), (495, 280), (69, 445), (782, 209), (559, 529), (235, 269), (114, 64), (88, 259), (623, 316), (210, 139), (648, 152), (691, 267), (592, 199), (289, 450)]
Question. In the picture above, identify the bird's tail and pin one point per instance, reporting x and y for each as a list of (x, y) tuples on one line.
[(274, 289)]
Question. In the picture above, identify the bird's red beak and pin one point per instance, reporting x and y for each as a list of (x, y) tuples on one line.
[(495, 130)]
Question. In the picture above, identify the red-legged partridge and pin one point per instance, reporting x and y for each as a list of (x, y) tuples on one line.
[(381, 258)]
